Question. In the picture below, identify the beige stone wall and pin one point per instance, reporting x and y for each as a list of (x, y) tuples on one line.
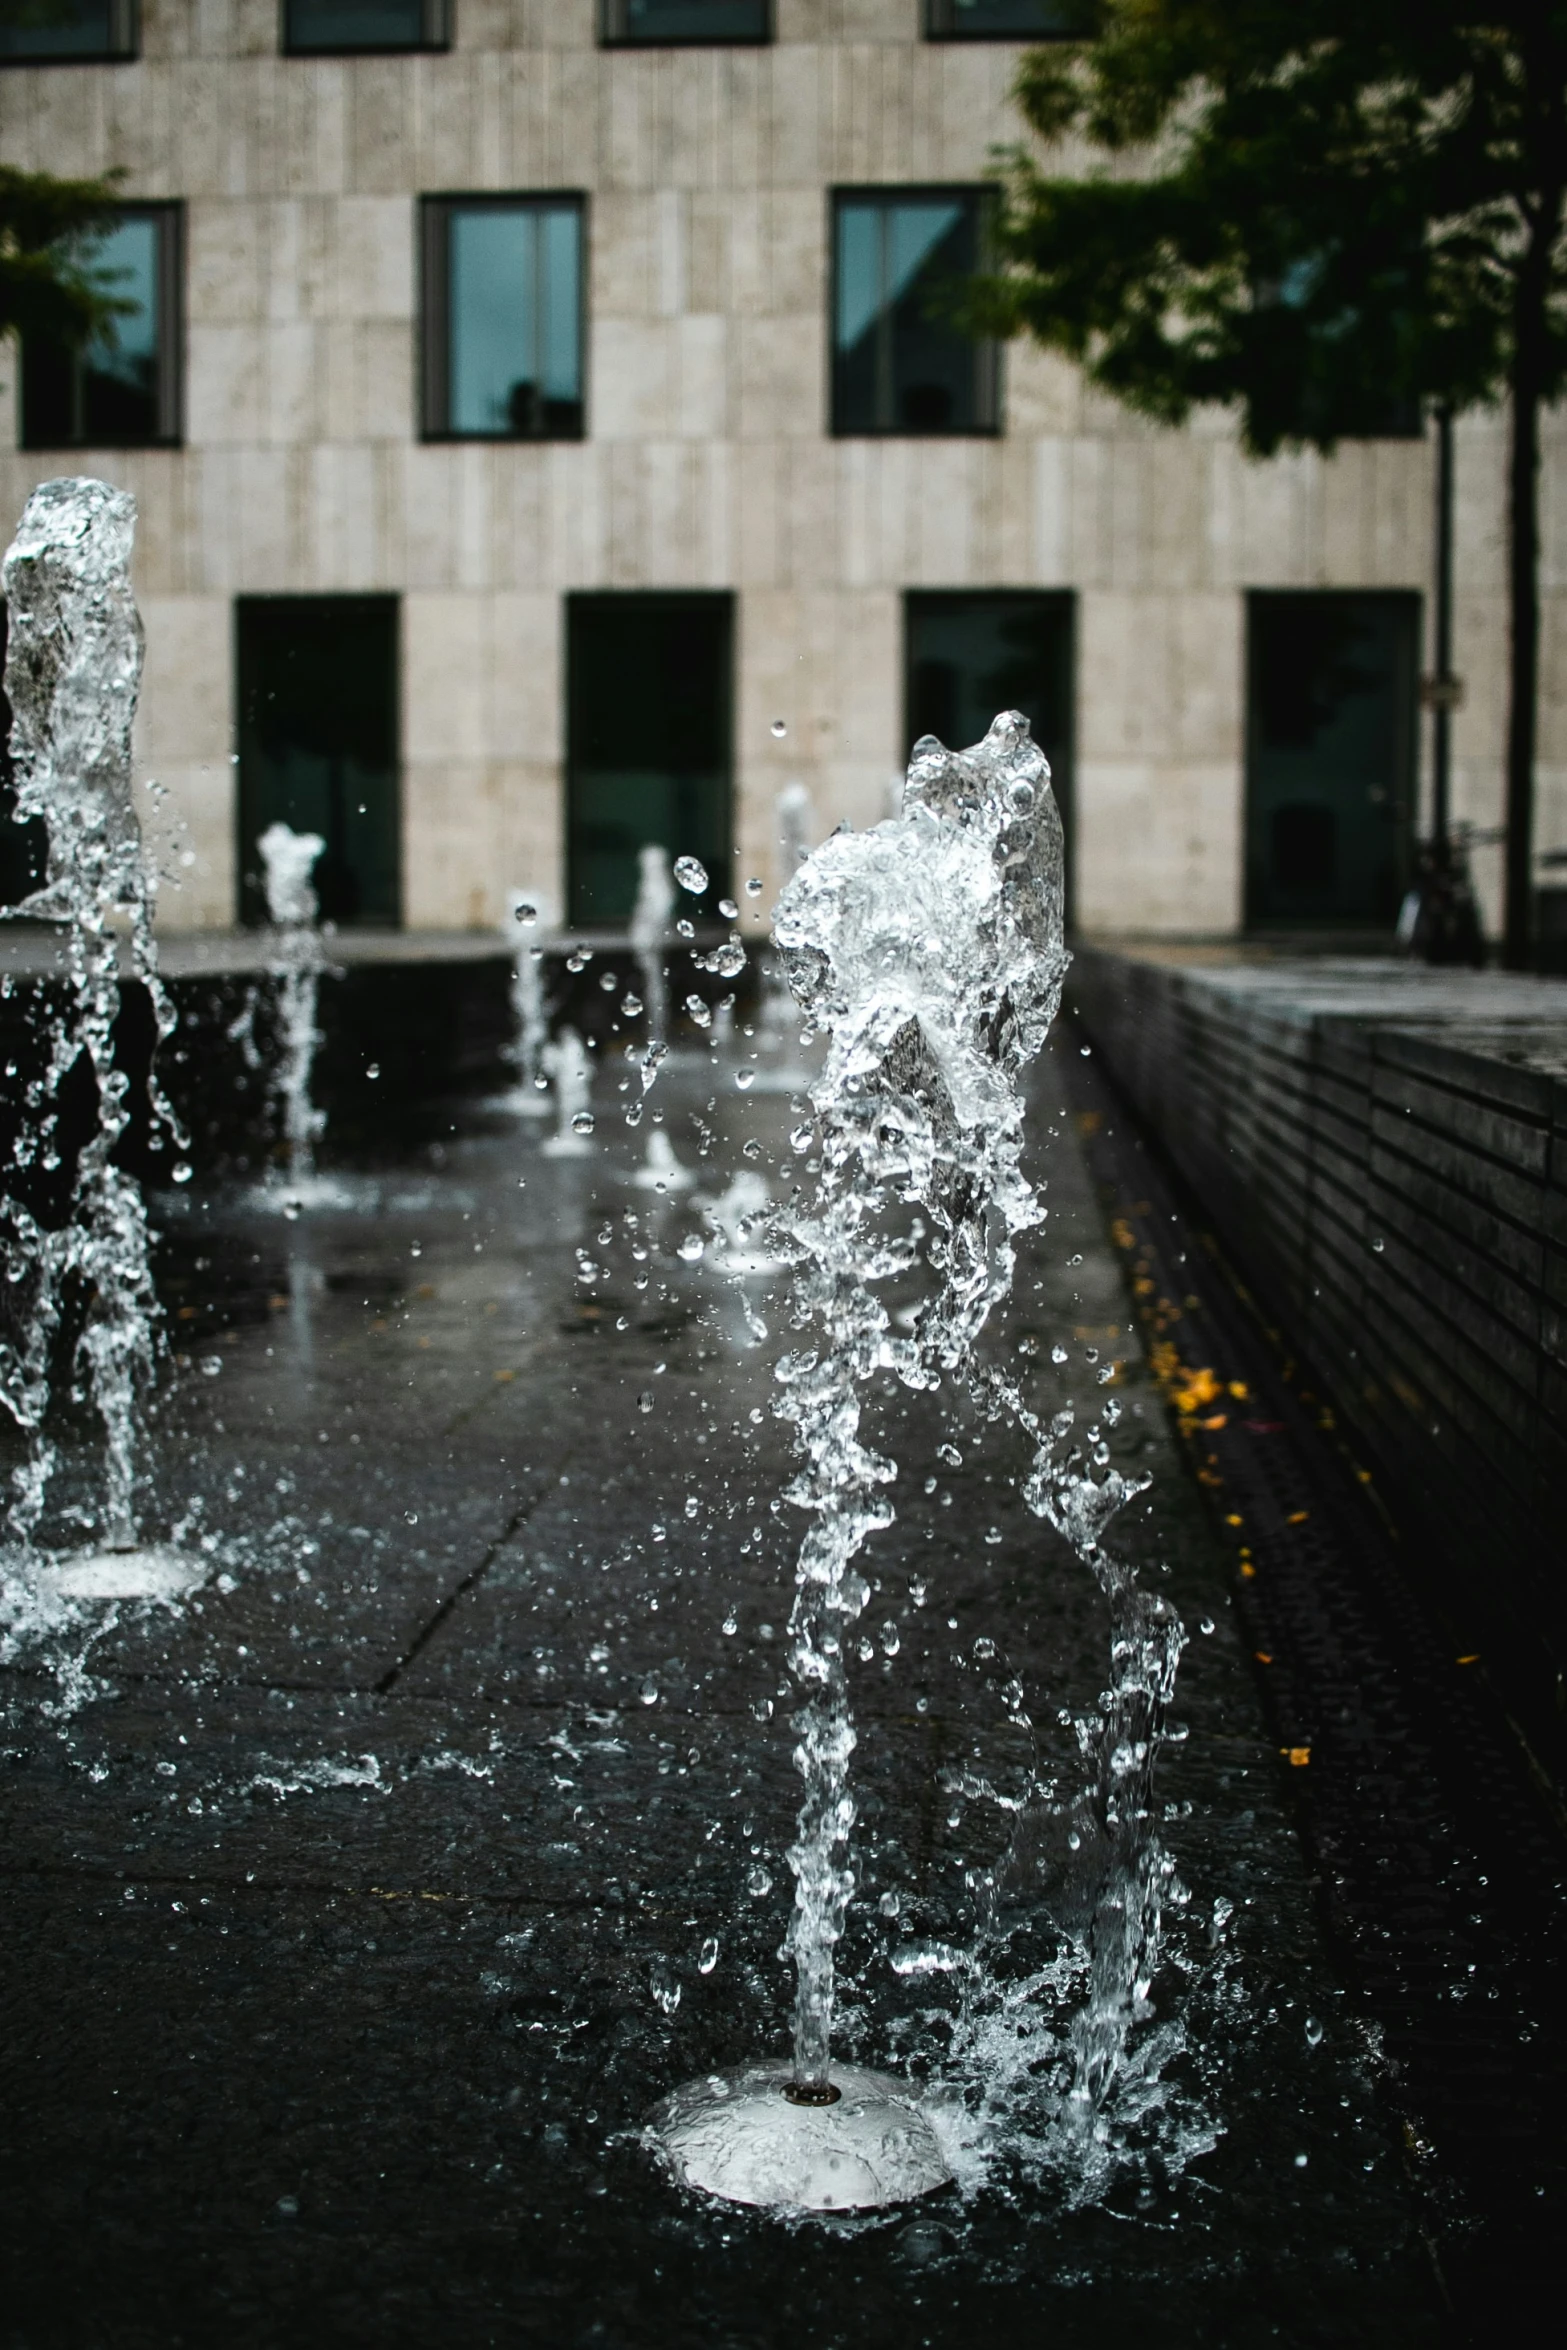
[(707, 462)]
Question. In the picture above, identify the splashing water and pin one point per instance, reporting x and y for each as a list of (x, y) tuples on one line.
[(296, 962), (930, 949), (73, 668)]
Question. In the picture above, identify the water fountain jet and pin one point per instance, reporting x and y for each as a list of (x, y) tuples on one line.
[(930, 949), (528, 914), (73, 669), (296, 960)]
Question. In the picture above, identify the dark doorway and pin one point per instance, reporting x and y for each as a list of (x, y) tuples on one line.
[(970, 654), (649, 756), (1330, 766), (318, 746)]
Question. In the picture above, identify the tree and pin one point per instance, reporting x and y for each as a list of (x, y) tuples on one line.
[(1316, 211), (48, 285)]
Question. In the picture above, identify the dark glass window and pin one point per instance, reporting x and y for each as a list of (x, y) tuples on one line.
[(649, 755), (122, 389), (318, 746), (1330, 768), (970, 653), (67, 32), (1003, 20), (503, 280), (317, 28), (898, 365), (670, 24)]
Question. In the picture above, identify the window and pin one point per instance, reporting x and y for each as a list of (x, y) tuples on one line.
[(1003, 20), (649, 756), (898, 366), (122, 389), (503, 318), (327, 28), (68, 32), (1330, 764), (968, 654), (318, 746), (681, 24)]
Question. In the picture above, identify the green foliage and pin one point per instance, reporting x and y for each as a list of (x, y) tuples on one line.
[(1315, 210), (48, 284)]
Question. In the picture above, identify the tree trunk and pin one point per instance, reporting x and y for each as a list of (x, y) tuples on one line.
[(1523, 582)]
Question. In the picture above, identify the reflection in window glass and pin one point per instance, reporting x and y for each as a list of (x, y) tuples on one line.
[(118, 389), (671, 23), (64, 31), (514, 300), (898, 366), (503, 318), (332, 26)]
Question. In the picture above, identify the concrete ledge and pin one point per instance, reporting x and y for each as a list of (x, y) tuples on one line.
[(1383, 1151)]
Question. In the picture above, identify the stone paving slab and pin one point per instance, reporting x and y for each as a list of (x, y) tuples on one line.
[(345, 1940)]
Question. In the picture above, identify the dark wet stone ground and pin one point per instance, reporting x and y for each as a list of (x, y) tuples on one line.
[(345, 1920)]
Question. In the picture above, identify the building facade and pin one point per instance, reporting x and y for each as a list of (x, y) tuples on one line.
[(546, 435)]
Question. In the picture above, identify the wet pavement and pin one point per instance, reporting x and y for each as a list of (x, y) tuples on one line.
[(360, 1915)]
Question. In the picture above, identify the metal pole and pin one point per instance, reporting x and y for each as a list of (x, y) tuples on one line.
[(1442, 699)]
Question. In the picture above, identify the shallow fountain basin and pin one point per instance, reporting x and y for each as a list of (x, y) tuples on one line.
[(736, 2135), (153, 1571)]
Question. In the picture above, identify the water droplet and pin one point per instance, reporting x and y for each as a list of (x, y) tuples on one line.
[(212, 1365), (1313, 2032), (759, 1884), (372, 1068), (630, 1006), (1206, 1625), (890, 1642), (692, 1248), (1378, 1246), (700, 1010), (582, 1122), (1301, 2161), (412, 1517), (649, 1691), (709, 1958), (779, 729), (753, 888), (645, 1400), (526, 914), (745, 1079), (731, 1625), (664, 1985), (180, 1171), (1074, 1260), (729, 910), (691, 874), (1058, 1354)]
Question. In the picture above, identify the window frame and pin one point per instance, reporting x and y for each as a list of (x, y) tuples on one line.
[(938, 23), (123, 49), (435, 317), (435, 39), (169, 217), (987, 352), (612, 15)]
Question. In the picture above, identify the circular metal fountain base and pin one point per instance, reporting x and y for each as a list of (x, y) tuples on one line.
[(740, 2136), (151, 1571)]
